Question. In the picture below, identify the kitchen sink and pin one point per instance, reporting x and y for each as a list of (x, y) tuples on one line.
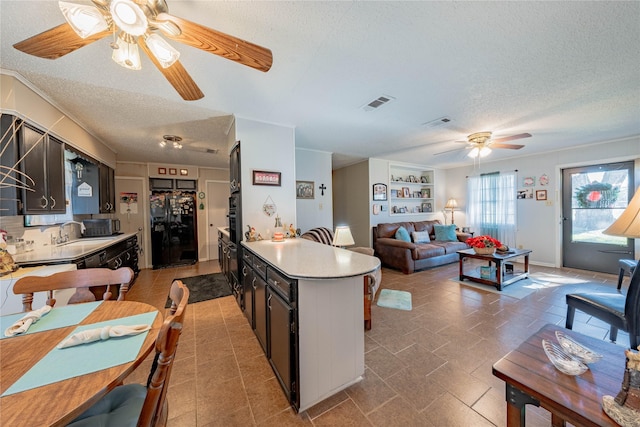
[(85, 242)]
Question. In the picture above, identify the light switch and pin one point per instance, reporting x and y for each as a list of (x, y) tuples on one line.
[(320, 206)]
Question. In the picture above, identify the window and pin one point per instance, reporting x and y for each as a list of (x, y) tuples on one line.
[(491, 205)]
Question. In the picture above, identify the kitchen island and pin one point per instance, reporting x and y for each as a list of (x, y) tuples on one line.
[(307, 312)]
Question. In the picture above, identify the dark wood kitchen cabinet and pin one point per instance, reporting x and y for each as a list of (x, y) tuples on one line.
[(273, 314), (10, 197), (107, 189), (44, 164)]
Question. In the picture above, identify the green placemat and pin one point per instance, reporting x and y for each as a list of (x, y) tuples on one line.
[(61, 364), (59, 317)]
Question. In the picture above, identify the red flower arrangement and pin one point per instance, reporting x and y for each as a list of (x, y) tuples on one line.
[(484, 242)]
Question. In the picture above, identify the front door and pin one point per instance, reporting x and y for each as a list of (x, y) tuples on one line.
[(593, 197)]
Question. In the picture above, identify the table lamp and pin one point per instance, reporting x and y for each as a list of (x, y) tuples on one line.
[(342, 237), (624, 408), (451, 204)]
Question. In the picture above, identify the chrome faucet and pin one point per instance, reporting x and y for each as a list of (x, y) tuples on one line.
[(65, 238)]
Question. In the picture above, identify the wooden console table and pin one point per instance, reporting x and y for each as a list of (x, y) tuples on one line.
[(501, 279), (531, 379)]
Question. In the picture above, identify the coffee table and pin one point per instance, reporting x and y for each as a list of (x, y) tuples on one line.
[(531, 379), (501, 278)]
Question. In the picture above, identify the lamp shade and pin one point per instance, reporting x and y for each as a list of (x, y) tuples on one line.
[(451, 204), (628, 224), (342, 236)]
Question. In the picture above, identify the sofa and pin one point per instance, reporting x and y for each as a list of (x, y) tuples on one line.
[(426, 252)]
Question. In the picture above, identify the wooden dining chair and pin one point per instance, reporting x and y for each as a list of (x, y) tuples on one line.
[(135, 404), (81, 280)]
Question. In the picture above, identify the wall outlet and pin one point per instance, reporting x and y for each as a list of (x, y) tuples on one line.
[(549, 203), (520, 247)]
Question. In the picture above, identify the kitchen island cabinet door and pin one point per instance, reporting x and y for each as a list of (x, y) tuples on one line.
[(260, 311), (282, 342)]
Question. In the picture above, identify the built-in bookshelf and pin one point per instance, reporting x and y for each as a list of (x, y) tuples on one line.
[(411, 190)]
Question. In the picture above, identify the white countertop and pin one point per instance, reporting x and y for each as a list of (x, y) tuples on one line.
[(303, 259), (67, 252)]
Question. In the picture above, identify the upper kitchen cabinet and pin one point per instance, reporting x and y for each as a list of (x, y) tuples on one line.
[(43, 165), (10, 202), (107, 189), (85, 188)]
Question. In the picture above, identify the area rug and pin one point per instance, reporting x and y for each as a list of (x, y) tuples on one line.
[(522, 288), (205, 287), (390, 298)]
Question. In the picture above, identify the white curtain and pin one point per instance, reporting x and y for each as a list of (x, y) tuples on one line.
[(491, 206)]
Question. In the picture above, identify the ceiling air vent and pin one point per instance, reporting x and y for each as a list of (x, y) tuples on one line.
[(437, 122), (212, 151), (378, 102)]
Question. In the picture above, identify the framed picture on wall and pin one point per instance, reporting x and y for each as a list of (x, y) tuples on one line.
[(304, 189), (379, 191), (266, 178), (541, 194)]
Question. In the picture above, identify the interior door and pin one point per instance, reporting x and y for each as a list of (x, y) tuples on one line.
[(131, 209), (217, 203), (593, 197)]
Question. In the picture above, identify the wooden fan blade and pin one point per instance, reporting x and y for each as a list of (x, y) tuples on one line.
[(56, 42), (218, 43), (176, 75), (511, 138), (509, 146)]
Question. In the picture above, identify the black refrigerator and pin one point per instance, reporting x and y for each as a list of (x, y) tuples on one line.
[(174, 238)]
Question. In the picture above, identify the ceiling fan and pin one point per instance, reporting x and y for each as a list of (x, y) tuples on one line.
[(175, 141), (142, 23), (481, 143)]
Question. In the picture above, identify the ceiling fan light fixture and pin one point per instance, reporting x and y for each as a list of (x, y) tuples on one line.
[(474, 152), (129, 17), (85, 20), (163, 51), (127, 54), (162, 143), (484, 151)]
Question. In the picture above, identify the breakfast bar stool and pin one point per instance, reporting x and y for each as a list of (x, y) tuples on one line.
[(626, 267)]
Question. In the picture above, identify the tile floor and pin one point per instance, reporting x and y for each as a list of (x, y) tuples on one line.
[(427, 367)]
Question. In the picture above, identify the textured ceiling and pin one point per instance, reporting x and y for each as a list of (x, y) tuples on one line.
[(566, 72)]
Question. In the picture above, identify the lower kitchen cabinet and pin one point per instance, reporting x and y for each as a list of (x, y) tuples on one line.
[(282, 342), (269, 305)]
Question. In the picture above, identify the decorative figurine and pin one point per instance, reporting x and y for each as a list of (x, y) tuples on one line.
[(260, 237), (625, 407), (292, 231), (250, 235)]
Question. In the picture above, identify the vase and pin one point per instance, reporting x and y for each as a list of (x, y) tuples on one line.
[(484, 251)]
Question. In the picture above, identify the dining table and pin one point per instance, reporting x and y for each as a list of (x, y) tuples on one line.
[(43, 385)]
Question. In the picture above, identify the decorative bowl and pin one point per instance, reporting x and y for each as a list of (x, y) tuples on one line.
[(563, 361), (577, 350), (484, 251)]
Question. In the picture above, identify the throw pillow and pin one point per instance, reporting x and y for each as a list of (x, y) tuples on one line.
[(403, 234), (445, 233), (420, 236)]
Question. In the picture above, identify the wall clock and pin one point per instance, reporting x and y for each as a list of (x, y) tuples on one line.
[(201, 195)]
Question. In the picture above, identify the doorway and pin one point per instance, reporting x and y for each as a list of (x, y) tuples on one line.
[(217, 200), (131, 210), (593, 197)]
